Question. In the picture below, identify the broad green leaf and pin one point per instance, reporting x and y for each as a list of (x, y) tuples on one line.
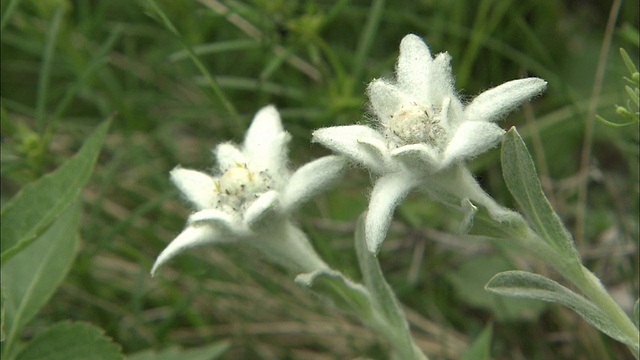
[(208, 352), (345, 294), (71, 341), (31, 277), (524, 284), (39, 203), (383, 297), (522, 180), (481, 347)]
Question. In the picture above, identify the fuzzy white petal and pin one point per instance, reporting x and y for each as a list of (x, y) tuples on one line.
[(196, 186), (471, 139), (495, 103), (262, 210), (228, 156), (190, 237), (419, 157), (379, 153), (441, 83), (265, 126), (216, 218), (412, 70), (274, 158), (310, 180), (387, 193), (266, 141), (345, 140), (386, 99), (451, 113)]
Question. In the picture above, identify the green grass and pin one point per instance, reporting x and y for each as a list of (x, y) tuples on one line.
[(179, 90)]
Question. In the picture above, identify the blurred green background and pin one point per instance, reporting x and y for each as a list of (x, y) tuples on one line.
[(68, 65)]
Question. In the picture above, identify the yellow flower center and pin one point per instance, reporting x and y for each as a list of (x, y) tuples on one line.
[(238, 187), (413, 124)]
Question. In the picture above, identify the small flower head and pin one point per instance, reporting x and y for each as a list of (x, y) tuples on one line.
[(422, 124), (252, 189), (422, 131)]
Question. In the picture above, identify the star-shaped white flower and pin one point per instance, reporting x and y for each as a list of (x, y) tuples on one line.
[(252, 195), (424, 133)]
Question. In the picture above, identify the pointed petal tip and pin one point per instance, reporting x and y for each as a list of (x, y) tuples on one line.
[(532, 85), (265, 128), (386, 195), (196, 186), (154, 269), (413, 41), (160, 260), (497, 102), (269, 114), (312, 179), (188, 238)]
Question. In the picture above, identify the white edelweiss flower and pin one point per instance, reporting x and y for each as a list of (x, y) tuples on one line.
[(424, 132), (252, 195)]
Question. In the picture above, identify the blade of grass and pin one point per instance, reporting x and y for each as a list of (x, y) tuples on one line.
[(6, 13), (217, 47), (255, 33), (489, 16), (95, 63), (367, 37), (45, 71), (217, 91), (585, 156)]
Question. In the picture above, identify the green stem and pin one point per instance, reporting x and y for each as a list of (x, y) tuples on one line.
[(584, 280), (389, 320), (591, 286)]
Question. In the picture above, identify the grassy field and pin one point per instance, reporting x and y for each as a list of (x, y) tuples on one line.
[(68, 65)]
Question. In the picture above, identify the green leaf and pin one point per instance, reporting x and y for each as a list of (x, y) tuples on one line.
[(346, 295), (39, 203), (522, 180), (30, 278), (628, 62), (481, 347), (71, 341), (524, 284), (208, 352)]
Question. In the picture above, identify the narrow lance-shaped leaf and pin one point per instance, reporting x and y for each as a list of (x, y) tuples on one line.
[(524, 284), (30, 278), (39, 203), (522, 180)]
